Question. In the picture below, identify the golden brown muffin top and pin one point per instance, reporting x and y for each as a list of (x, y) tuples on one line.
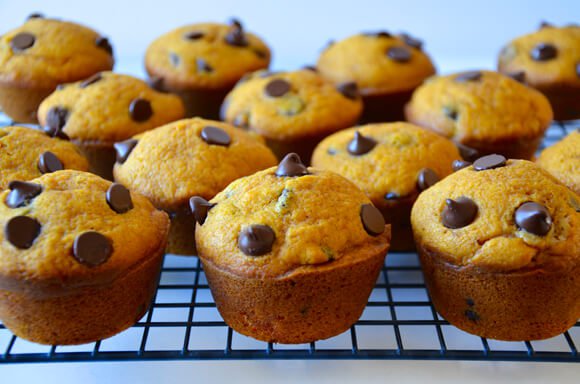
[(479, 106), (44, 238), (546, 58), (47, 52), (379, 63), (205, 56), (503, 217), (562, 160), (26, 153), (387, 161), (285, 217), (107, 107), (190, 157), (291, 105)]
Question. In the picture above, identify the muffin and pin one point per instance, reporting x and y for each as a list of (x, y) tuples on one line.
[(499, 242), (79, 257), (42, 54), (192, 157), (104, 109), (562, 160), (293, 111), (392, 163), (291, 253), (27, 153), (548, 60), (202, 62), (386, 68), (483, 112)]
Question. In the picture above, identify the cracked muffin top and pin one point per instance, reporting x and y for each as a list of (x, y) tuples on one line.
[(562, 160)]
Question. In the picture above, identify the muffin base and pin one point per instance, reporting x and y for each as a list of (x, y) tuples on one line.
[(565, 102), (101, 156), (205, 103), (397, 213), (181, 240), (303, 147), (21, 104), (516, 306), (385, 107)]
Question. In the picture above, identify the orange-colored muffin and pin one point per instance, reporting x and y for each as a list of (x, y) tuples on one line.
[(562, 160)]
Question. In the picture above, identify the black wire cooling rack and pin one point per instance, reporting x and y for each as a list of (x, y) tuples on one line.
[(399, 322)]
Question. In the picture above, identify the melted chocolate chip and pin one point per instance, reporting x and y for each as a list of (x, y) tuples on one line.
[(119, 198), (399, 54), (22, 41), (91, 80), (215, 136), (518, 76), (468, 76), (21, 193), (199, 208), (140, 110), (21, 231), (193, 35), (372, 219), (291, 166), (458, 213), (124, 149), (360, 144), (103, 43), (348, 90), (467, 153), (544, 52), (533, 218), (426, 178), (277, 88), (256, 240), (92, 248), (489, 162), (55, 121), (203, 66), (459, 164), (48, 162), (236, 35), (412, 41)]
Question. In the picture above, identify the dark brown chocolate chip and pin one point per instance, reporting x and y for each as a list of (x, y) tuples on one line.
[(471, 315), (236, 35), (103, 43), (468, 76), (372, 219), (21, 193), (215, 136), (348, 90), (399, 54), (55, 121), (260, 53), (544, 52), (277, 88), (199, 208), (156, 83), (412, 41), (174, 59), (48, 162), (392, 196), (35, 15), (256, 240), (193, 35), (124, 149), (291, 166), (518, 76), (92, 248), (459, 164), (360, 144), (140, 110), (545, 24), (467, 153), (426, 178), (469, 301), (203, 66), (533, 218), (60, 87), (21, 231), (458, 213), (22, 41), (450, 113), (119, 198), (310, 68), (383, 34), (489, 162), (91, 80)]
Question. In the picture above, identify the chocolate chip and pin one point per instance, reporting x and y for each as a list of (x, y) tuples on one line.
[(383, 34), (215, 136), (236, 35), (489, 162), (291, 166), (578, 69), (103, 43), (156, 83), (21, 231), (399, 54), (372, 219), (450, 113), (35, 15), (55, 121), (467, 153), (518, 76), (468, 76), (471, 315), (459, 164), (469, 301), (22, 41), (203, 66), (412, 41), (310, 68), (348, 90), (331, 151), (533, 218), (92, 248), (193, 35), (458, 213), (21, 193), (260, 53), (277, 88), (543, 52), (426, 178), (124, 149), (140, 110), (174, 59), (48, 162), (91, 80), (60, 87), (360, 144), (391, 196), (199, 208), (545, 24), (256, 240), (119, 198)]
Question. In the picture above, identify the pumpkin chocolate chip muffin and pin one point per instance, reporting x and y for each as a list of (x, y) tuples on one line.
[(386, 68), (41, 54), (27, 153), (483, 112), (79, 257), (499, 243), (392, 163), (104, 109), (548, 60), (293, 111), (202, 62), (562, 160), (192, 157), (291, 253)]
